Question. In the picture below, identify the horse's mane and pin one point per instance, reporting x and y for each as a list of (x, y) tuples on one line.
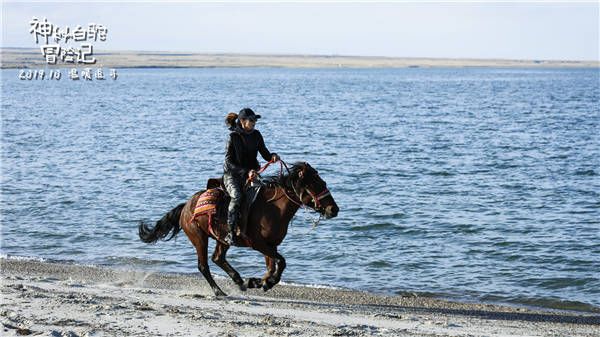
[(284, 179)]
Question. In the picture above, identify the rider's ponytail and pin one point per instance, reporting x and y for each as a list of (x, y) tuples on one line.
[(230, 119)]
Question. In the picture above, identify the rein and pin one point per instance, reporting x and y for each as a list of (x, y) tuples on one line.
[(315, 197), (281, 165)]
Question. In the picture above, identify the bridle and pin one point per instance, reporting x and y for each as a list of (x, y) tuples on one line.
[(315, 197)]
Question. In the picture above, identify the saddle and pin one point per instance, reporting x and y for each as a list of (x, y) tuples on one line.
[(214, 203)]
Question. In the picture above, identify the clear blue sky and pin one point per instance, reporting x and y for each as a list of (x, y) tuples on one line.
[(564, 31)]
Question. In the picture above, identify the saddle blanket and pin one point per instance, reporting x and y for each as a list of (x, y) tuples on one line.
[(207, 202), (213, 203)]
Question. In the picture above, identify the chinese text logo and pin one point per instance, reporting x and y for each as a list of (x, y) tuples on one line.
[(67, 54)]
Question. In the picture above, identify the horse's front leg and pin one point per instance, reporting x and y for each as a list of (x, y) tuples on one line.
[(219, 258), (275, 267), (271, 270), (255, 282), (272, 259), (280, 266)]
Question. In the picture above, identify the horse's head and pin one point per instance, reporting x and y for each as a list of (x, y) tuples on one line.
[(312, 190)]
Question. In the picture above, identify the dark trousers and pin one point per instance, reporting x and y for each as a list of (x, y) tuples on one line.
[(233, 185)]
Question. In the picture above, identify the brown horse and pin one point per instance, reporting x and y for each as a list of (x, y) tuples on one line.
[(268, 220)]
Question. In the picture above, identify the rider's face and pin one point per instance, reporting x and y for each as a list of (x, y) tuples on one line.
[(247, 124)]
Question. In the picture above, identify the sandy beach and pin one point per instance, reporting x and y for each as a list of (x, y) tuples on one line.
[(18, 58), (56, 299)]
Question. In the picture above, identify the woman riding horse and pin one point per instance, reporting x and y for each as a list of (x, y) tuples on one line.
[(268, 221), (240, 162), (269, 217)]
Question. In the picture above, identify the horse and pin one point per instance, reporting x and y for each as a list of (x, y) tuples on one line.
[(267, 225)]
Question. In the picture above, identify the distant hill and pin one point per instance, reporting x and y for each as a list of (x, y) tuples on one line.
[(32, 58)]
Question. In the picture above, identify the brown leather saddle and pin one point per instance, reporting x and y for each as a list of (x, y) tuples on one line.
[(250, 194)]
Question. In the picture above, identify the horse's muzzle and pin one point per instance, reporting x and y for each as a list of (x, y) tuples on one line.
[(331, 211)]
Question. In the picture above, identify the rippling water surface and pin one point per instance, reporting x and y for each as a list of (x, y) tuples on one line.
[(478, 184)]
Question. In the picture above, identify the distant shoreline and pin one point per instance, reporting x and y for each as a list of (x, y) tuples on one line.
[(23, 58)]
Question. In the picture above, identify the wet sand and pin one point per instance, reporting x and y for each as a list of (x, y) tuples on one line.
[(19, 58), (56, 299)]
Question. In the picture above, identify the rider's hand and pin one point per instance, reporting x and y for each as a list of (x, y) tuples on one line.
[(275, 157), (252, 175)]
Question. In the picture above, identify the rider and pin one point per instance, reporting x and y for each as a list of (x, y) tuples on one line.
[(240, 161)]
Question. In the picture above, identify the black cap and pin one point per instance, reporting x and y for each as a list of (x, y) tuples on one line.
[(247, 113)]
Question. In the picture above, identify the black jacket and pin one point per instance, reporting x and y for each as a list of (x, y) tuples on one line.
[(242, 148)]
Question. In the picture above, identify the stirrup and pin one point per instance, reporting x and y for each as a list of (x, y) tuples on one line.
[(228, 239)]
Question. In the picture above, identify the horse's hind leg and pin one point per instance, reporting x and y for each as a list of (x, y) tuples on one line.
[(201, 244), (220, 260)]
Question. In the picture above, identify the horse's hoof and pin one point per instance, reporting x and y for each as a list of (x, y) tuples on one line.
[(220, 293), (253, 282), (267, 285), (243, 286)]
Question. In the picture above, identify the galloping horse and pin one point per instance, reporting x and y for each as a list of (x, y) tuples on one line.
[(267, 225)]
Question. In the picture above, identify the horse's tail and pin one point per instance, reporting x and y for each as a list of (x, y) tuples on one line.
[(168, 223)]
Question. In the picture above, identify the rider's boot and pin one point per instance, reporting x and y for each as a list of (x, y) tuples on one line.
[(232, 220)]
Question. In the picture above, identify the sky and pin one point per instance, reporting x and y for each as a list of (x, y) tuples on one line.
[(507, 30)]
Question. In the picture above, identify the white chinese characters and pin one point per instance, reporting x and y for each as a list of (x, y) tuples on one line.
[(85, 74), (45, 30), (54, 52)]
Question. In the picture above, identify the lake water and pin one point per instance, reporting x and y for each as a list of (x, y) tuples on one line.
[(477, 184)]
